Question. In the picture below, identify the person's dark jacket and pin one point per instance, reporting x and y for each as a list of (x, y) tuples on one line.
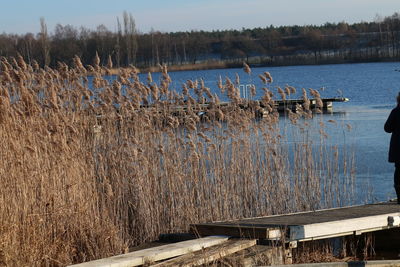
[(392, 125)]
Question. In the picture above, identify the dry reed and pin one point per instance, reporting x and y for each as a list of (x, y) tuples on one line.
[(91, 168)]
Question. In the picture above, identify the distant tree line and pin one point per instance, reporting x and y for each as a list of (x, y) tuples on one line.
[(329, 43)]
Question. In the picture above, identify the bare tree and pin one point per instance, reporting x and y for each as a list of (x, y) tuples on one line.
[(118, 44), (45, 42), (130, 36), (133, 37)]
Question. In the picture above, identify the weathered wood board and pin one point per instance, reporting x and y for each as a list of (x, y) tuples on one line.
[(149, 255), (210, 254), (308, 225)]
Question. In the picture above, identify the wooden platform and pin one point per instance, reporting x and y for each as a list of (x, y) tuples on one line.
[(282, 105), (279, 105), (309, 225), (151, 255), (224, 238)]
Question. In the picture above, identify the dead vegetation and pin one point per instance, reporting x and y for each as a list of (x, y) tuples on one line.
[(87, 171)]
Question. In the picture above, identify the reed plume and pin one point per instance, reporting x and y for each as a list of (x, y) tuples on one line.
[(268, 77), (246, 68)]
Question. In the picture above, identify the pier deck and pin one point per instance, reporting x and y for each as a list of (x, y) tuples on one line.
[(309, 225), (280, 105), (222, 241)]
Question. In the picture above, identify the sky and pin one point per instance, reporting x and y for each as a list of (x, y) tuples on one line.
[(23, 16)]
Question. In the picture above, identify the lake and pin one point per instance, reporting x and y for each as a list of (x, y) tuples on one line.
[(371, 88)]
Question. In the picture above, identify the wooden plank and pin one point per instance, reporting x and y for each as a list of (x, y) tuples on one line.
[(338, 227), (259, 255), (149, 255), (311, 217), (240, 231), (210, 254)]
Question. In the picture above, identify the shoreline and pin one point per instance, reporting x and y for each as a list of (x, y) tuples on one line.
[(210, 65)]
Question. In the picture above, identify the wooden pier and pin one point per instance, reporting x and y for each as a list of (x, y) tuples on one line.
[(291, 104), (229, 238), (311, 225), (278, 105)]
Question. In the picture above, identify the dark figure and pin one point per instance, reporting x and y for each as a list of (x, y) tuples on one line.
[(392, 126)]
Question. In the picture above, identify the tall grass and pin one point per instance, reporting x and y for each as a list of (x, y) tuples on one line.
[(87, 171)]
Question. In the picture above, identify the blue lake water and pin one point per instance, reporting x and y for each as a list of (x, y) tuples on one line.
[(371, 88)]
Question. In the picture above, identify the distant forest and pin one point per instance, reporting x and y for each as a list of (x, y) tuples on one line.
[(285, 45)]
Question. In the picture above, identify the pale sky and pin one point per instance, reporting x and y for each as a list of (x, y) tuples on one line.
[(22, 16)]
